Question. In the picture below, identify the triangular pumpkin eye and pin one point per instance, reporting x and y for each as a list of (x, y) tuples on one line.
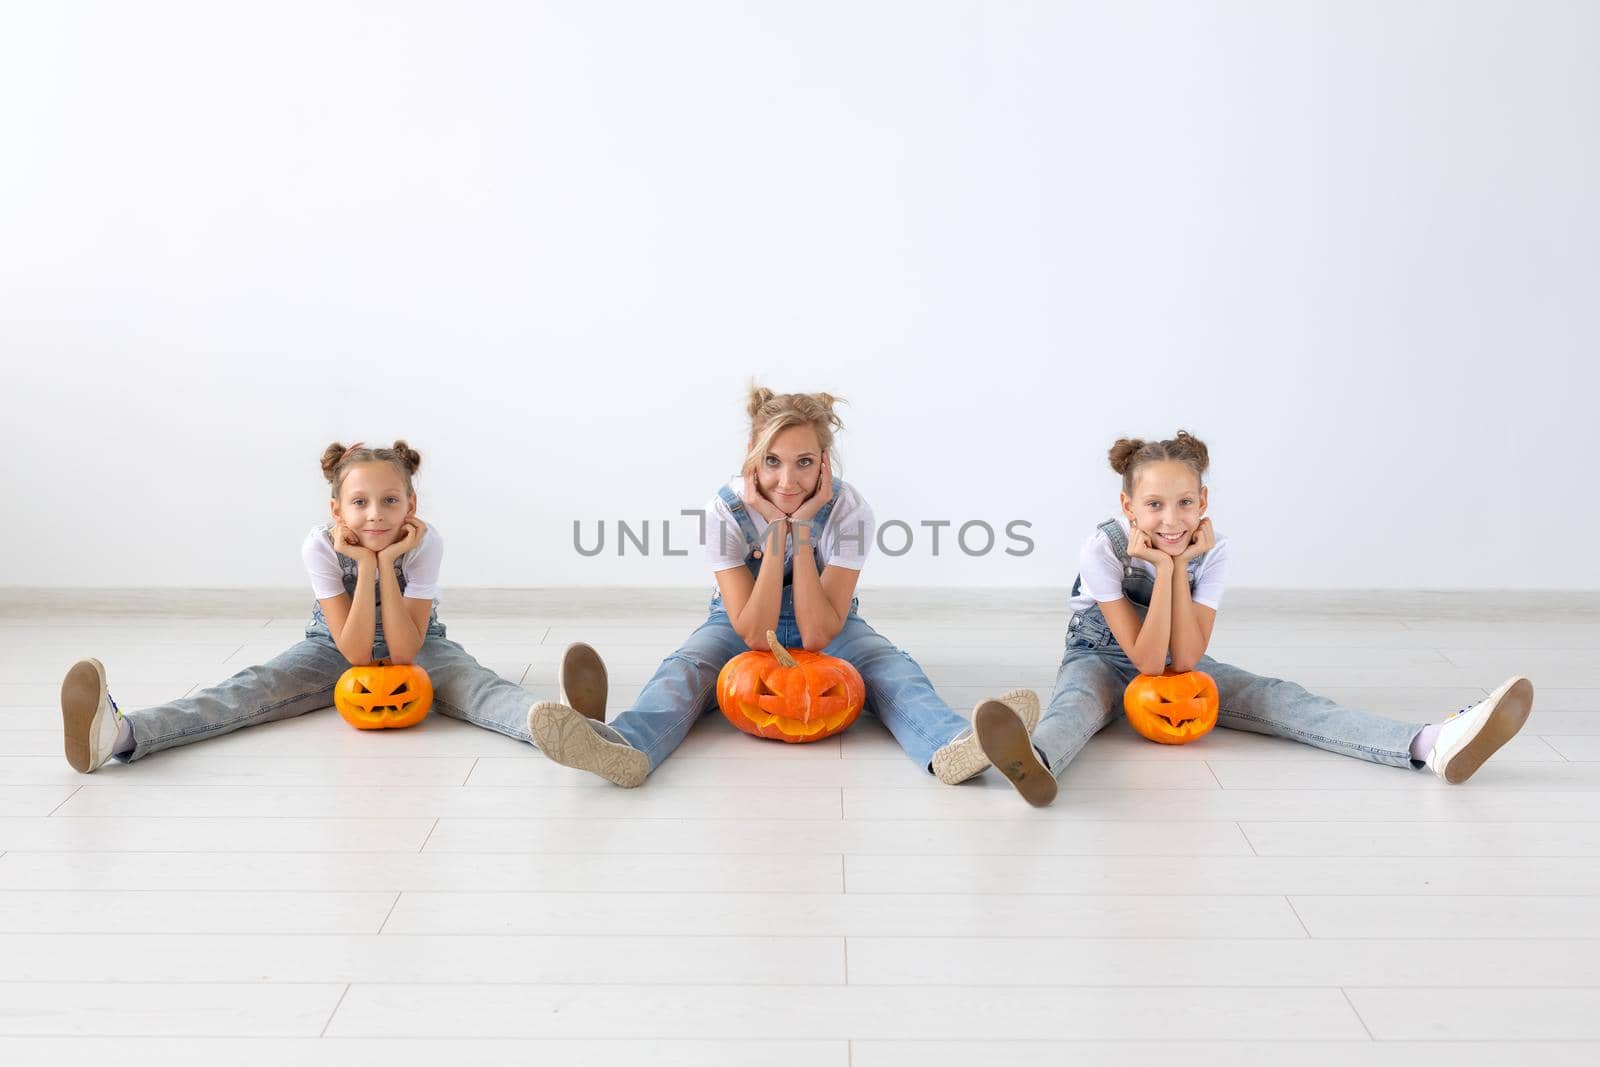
[(835, 690), (766, 690), (1164, 700), (362, 686), (401, 689)]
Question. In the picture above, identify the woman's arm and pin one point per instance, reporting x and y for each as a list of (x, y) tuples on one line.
[(753, 604), (821, 602)]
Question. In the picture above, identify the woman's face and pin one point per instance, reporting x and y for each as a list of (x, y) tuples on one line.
[(787, 474), (1167, 503), (373, 503)]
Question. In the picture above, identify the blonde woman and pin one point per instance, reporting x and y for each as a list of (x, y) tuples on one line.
[(786, 541)]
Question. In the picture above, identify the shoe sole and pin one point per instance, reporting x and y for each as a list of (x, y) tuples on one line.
[(1004, 738), (82, 693), (966, 759), (565, 736), (1513, 702), (583, 681)]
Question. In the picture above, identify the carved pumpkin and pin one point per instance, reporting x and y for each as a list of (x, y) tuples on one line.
[(790, 696), (383, 696), (1172, 708)]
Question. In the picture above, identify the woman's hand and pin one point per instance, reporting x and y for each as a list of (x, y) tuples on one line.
[(819, 496), (348, 545), (758, 503), (414, 529), (1204, 540)]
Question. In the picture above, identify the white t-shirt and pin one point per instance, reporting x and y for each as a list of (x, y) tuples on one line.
[(844, 541), (420, 565), (1100, 572)]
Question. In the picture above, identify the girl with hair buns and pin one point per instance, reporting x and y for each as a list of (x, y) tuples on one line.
[(1149, 585), (786, 540), (374, 570)]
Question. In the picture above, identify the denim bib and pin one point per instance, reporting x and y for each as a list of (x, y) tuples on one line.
[(752, 541), (348, 570), (1137, 586)]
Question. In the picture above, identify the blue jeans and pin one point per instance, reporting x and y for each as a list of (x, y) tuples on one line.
[(301, 679), (1094, 672), (684, 687)]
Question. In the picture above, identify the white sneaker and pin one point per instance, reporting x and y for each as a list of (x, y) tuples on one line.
[(962, 757), (1469, 737), (89, 717), (573, 740), (583, 681)]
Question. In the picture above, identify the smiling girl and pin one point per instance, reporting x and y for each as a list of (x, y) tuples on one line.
[(1149, 585), (786, 541), (374, 570)]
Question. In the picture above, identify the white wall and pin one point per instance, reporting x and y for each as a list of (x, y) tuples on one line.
[(1356, 246)]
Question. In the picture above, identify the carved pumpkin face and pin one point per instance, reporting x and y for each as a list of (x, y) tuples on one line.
[(790, 696), (381, 696), (1170, 708)]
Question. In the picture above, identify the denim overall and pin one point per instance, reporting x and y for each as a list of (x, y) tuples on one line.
[(1095, 670), (301, 679), (684, 687)]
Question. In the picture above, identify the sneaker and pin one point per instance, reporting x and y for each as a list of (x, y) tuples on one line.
[(1006, 742), (961, 758), (574, 740), (1469, 737), (89, 717), (583, 681)]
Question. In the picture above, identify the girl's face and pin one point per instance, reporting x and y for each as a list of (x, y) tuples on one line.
[(787, 474), (1168, 503), (374, 504)]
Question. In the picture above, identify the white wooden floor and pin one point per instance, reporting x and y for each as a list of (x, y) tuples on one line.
[(304, 893)]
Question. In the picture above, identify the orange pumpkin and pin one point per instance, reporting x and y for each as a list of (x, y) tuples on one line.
[(383, 696), (790, 696), (1172, 708)]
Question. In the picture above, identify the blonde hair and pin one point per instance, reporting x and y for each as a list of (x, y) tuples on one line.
[(1131, 453), (772, 413), (337, 460)]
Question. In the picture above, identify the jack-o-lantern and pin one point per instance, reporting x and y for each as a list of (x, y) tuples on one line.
[(383, 696), (790, 696), (1172, 708)]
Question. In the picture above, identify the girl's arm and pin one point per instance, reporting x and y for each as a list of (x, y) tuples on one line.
[(1191, 622), (352, 620), (1146, 644), (753, 604), (405, 619)]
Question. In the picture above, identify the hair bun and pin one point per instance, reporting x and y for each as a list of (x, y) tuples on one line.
[(1122, 453), (330, 459)]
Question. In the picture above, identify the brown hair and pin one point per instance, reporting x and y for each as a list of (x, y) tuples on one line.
[(1131, 453), (772, 413), (337, 459)]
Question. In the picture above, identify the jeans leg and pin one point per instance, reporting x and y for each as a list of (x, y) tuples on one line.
[(298, 680), (680, 691), (898, 691), (1284, 709), (1087, 696), (465, 689)]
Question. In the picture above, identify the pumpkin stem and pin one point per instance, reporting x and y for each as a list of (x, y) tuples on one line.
[(782, 654)]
